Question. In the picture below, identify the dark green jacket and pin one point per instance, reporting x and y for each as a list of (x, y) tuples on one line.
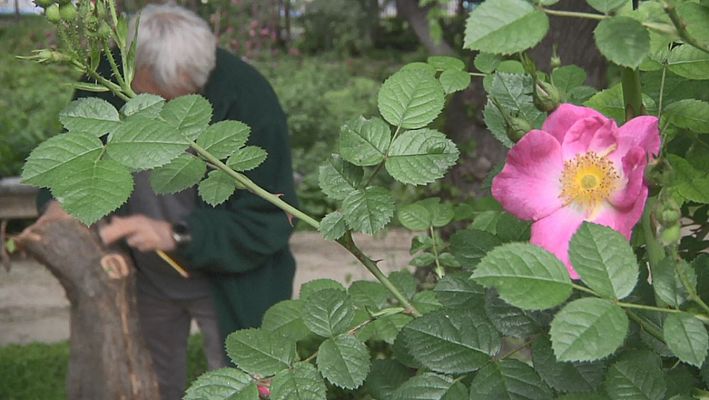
[(242, 244)]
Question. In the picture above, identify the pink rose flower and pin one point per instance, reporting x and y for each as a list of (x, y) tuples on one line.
[(579, 167)]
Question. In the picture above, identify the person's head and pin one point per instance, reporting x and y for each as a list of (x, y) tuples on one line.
[(175, 51)]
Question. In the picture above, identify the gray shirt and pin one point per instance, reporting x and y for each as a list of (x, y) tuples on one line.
[(155, 276)]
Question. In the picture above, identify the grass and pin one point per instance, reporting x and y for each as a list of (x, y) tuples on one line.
[(37, 371)]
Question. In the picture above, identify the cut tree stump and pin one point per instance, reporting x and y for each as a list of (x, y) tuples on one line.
[(108, 358)]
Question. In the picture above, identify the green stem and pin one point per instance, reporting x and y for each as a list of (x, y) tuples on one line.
[(347, 242), (681, 27), (648, 308), (690, 289), (662, 90), (574, 14), (256, 189), (655, 253), (646, 326), (439, 270), (632, 94), (114, 66), (584, 289), (480, 74), (117, 90)]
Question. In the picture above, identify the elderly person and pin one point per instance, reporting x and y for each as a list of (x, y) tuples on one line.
[(237, 254)]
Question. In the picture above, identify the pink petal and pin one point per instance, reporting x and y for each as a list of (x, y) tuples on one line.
[(634, 164), (554, 232), (528, 186), (623, 221), (641, 132), (589, 134), (559, 122)]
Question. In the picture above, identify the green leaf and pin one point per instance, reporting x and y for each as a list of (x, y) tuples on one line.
[(421, 156), (223, 138), (610, 103), (302, 382), (344, 361), (486, 62), (404, 281), (145, 104), (667, 284), (286, 318), (90, 115), (224, 383), (386, 329), (426, 301), (509, 320), (140, 143), (338, 178), (92, 189), (509, 228), (311, 287), (446, 63), (448, 342), (258, 351), (635, 376), (456, 290), (328, 312), (422, 260), (469, 246), (385, 376), (588, 329), (505, 27), (689, 62), (410, 99), (368, 210), (606, 6), (216, 188), (508, 379), (623, 41), (568, 77), (364, 142), (695, 17), (525, 276), (689, 114), (565, 376), (687, 337), (333, 226), (430, 386), (181, 173), (189, 115), (691, 183), (247, 158), (454, 81), (604, 260), (52, 159), (441, 213), (368, 294), (415, 217)]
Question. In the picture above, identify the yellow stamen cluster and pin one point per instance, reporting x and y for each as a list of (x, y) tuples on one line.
[(588, 180)]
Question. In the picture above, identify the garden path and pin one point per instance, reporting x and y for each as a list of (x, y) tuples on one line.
[(33, 306)]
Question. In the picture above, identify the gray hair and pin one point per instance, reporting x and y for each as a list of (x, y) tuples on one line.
[(174, 43)]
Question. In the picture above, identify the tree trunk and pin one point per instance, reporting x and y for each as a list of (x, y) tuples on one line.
[(417, 17), (108, 358)]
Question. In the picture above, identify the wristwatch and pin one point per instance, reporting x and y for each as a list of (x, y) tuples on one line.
[(181, 234)]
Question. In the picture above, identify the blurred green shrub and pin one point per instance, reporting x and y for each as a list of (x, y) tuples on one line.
[(31, 95)]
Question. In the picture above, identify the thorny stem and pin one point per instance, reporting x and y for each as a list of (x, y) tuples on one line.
[(655, 253), (347, 242), (439, 270), (114, 66), (648, 308), (681, 27), (256, 189)]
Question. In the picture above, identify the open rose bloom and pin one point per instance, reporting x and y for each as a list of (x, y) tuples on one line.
[(579, 167)]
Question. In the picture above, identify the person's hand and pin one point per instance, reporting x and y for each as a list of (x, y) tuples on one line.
[(140, 232)]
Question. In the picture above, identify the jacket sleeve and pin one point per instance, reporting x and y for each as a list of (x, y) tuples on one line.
[(246, 231)]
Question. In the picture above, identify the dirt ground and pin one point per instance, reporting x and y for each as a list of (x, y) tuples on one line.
[(33, 306)]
